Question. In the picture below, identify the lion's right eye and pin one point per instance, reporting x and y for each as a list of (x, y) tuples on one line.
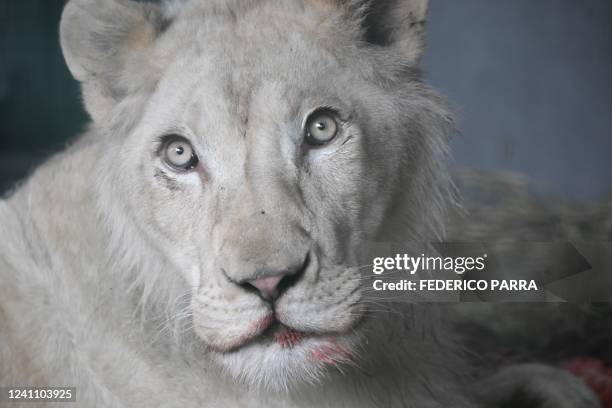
[(178, 153), (321, 127)]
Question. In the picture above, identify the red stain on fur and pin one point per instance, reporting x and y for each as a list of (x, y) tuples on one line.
[(264, 323), (287, 337), (332, 353), (595, 373)]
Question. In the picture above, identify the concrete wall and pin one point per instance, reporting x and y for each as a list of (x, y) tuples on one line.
[(531, 81)]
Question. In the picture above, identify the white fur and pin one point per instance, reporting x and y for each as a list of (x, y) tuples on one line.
[(119, 275)]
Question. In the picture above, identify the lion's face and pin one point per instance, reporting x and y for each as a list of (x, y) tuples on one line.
[(267, 153), (285, 188)]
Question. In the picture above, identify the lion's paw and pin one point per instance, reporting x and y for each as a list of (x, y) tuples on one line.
[(535, 386)]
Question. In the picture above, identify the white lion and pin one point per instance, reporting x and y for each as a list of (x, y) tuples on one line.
[(197, 246)]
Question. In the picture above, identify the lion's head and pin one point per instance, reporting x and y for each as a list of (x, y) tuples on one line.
[(259, 145)]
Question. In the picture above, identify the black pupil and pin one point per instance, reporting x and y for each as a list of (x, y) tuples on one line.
[(180, 150), (321, 125)]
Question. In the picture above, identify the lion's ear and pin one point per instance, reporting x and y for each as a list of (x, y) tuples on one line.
[(399, 24), (107, 44)]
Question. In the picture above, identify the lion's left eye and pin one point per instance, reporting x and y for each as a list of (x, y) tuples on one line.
[(321, 127), (178, 153)]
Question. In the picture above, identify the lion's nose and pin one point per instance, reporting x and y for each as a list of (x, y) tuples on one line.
[(268, 287)]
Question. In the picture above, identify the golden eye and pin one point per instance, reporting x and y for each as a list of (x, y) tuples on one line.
[(321, 127), (178, 153)]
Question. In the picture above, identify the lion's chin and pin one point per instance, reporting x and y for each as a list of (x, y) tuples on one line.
[(284, 359)]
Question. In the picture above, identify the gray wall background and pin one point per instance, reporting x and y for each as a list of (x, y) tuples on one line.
[(531, 81)]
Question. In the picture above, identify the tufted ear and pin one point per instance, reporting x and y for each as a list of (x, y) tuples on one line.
[(107, 46), (399, 24)]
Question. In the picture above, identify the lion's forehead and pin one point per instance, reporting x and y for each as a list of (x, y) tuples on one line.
[(247, 44), (235, 62), (249, 17)]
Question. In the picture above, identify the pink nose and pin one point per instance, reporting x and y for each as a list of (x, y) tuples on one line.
[(268, 287)]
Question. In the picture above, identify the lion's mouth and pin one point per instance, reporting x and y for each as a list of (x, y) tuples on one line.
[(270, 330), (286, 337), (273, 331), (331, 350)]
